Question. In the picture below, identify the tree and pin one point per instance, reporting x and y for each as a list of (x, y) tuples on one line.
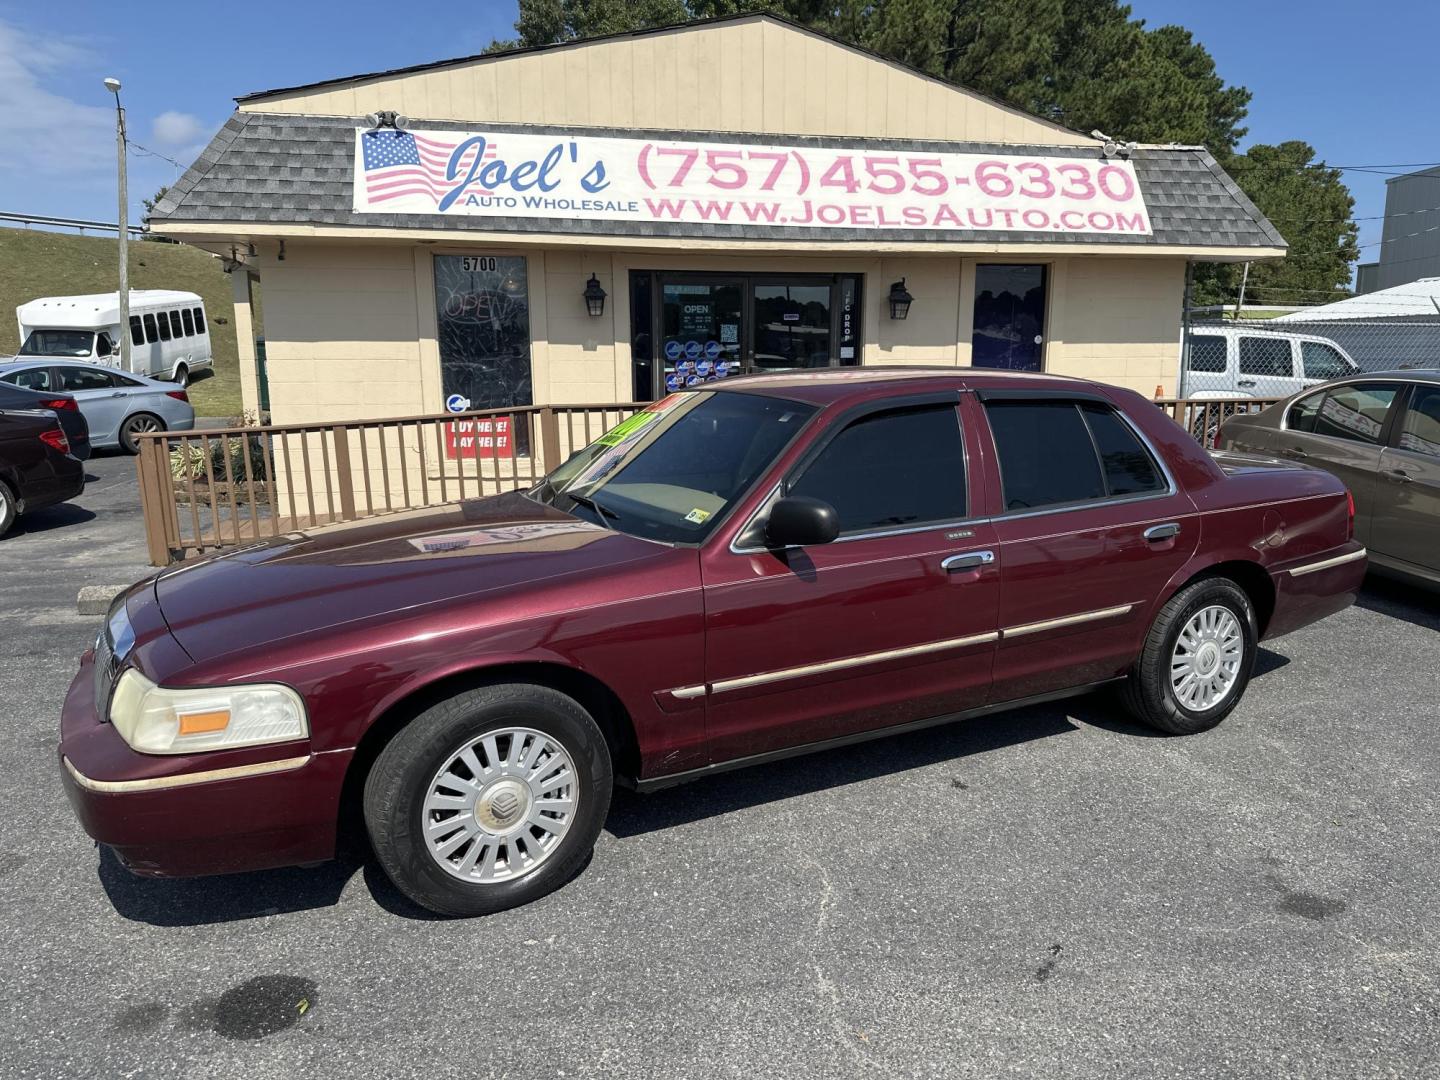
[(1085, 64), (1311, 206), (150, 204), (1082, 63)]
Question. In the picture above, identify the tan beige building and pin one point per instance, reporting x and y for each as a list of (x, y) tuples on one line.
[(747, 194)]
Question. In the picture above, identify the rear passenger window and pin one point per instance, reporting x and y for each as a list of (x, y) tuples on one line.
[(1129, 468), (150, 336), (1207, 352), (189, 322), (163, 321), (1303, 413), (1046, 456), (200, 320), (1054, 453), (74, 380), (892, 469), (1421, 433), (1266, 356), (137, 333), (1356, 412), (176, 329)]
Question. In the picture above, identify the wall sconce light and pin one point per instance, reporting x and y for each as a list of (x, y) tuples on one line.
[(281, 257), (594, 296), (900, 300)]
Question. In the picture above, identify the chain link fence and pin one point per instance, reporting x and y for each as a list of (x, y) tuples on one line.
[(1274, 358)]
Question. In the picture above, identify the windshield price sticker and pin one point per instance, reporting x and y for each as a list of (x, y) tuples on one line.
[(580, 177)]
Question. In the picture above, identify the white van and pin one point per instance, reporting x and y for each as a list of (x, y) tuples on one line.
[(1239, 362), (169, 334)]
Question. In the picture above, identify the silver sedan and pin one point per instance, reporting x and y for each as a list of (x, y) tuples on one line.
[(118, 405)]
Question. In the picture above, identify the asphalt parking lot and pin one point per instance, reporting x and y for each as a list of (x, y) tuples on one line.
[(1052, 892)]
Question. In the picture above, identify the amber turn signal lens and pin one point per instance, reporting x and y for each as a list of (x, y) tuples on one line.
[(204, 722)]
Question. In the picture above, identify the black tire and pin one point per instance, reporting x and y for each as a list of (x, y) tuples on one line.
[(8, 510), (1148, 693), (182, 376), (128, 426), (399, 781)]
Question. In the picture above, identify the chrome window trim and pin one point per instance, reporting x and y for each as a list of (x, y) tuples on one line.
[(1326, 564), (899, 530), (1065, 620)]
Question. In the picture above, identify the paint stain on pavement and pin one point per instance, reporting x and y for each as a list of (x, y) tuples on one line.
[(256, 1009), (1308, 905), (1045, 970), (139, 1019)]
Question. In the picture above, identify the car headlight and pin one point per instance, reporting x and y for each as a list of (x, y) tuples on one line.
[(157, 720)]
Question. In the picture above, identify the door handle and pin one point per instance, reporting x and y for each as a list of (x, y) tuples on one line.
[(1168, 531), (1400, 476), (1294, 452), (968, 561), (1246, 382)]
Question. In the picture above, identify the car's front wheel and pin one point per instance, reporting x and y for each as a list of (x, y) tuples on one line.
[(490, 799), (1196, 660)]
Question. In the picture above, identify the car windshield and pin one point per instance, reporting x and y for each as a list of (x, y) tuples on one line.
[(670, 472), (72, 343)]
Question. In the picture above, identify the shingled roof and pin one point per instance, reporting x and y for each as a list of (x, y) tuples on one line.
[(278, 168)]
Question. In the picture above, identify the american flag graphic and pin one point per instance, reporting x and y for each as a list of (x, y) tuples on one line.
[(398, 163)]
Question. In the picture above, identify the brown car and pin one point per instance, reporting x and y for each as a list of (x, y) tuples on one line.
[(1380, 434)]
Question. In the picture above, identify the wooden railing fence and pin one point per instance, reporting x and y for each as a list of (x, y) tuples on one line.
[(203, 490)]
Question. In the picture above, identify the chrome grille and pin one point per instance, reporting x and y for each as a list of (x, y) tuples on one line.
[(104, 673)]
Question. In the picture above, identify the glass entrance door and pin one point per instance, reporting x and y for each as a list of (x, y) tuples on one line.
[(792, 326), (700, 331), (690, 327), (1009, 317)]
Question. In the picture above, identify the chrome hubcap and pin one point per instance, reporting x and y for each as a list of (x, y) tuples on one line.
[(500, 806), (1205, 665)]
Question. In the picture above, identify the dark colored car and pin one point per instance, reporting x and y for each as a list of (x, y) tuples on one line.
[(77, 431), (36, 466), (739, 573), (1380, 434)]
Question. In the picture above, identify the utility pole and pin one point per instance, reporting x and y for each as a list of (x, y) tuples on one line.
[(113, 85), (1240, 299)]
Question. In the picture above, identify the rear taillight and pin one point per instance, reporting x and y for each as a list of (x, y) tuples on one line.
[(55, 439), (1350, 523), (66, 403), (178, 395)]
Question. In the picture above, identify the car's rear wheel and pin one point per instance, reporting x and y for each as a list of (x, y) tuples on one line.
[(8, 509), (1196, 660), (490, 799), (139, 424)]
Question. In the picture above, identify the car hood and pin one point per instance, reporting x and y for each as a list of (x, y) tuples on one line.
[(301, 583)]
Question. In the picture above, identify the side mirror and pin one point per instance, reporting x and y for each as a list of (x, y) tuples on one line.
[(103, 347), (799, 521)]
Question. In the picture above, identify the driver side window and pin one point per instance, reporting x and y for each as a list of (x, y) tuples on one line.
[(891, 470)]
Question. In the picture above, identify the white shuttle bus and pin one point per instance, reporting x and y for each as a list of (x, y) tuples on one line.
[(169, 334)]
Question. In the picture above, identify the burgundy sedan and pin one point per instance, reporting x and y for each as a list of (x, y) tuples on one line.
[(739, 573)]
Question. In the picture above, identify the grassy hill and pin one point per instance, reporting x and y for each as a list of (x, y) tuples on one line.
[(34, 264)]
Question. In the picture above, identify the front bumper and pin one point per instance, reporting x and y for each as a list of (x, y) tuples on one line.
[(215, 813)]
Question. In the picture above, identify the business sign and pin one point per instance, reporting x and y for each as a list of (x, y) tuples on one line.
[(486, 437), (501, 174)]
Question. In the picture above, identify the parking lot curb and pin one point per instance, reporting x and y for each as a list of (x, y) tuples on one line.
[(95, 599)]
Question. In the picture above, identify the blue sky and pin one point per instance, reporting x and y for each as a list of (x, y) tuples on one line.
[(1359, 82)]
